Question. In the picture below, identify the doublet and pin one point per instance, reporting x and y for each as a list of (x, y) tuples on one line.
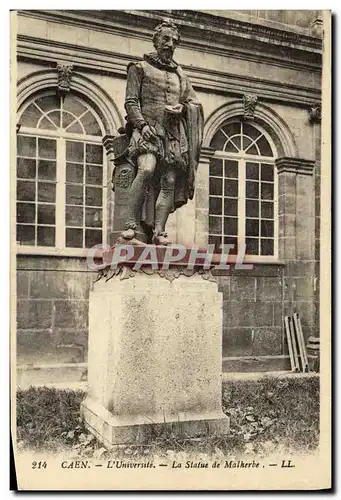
[(151, 86), (159, 89)]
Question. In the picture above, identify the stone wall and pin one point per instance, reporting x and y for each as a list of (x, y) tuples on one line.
[(52, 310), (253, 312)]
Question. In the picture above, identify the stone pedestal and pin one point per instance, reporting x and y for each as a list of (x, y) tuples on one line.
[(155, 357)]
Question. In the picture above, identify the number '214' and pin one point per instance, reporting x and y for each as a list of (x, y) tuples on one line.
[(39, 465)]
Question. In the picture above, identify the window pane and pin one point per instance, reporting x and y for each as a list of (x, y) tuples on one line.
[(267, 210), (46, 236), (216, 241), (252, 246), (67, 119), (252, 150), (93, 196), (30, 116), (54, 116), (231, 188), (230, 148), (267, 247), (236, 140), (94, 175), (230, 226), (252, 171), (46, 214), (252, 189), (264, 147), (26, 212), (246, 142), (216, 186), (74, 216), (75, 128), (230, 206), (46, 192), (26, 168), (232, 128), (26, 190), (72, 104), (92, 237), (231, 169), (74, 238), (74, 173), (46, 124), (267, 191), (74, 195), (216, 167), (26, 146), (25, 235), (218, 141), (74, 151), (215, 205), (215, 226), (47, 170), (47, 103), (267, 228), (47, 148), (267, 173), (252, 227), (93, 217), (90, 124), (252, 208), (94, 154), (231, 241), (251, 131)]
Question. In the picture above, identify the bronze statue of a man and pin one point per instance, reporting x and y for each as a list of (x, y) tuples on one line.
[(165, 121)]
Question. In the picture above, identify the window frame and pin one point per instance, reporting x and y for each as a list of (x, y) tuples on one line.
[(242, 158), (61, 137)]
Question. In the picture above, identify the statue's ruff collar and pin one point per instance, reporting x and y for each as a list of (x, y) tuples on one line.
[(155, 60)]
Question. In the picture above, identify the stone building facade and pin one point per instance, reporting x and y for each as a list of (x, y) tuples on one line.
[(258, 76)]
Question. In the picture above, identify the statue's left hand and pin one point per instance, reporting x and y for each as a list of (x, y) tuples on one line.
[(175, 110)]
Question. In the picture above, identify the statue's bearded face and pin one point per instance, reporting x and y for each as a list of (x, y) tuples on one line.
[(166, 42)]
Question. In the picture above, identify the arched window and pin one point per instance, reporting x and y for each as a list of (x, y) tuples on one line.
[(60, 174), (243, 190)]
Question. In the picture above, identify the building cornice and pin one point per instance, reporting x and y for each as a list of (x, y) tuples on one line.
[(202, 32), (108, 62), (206, 153), (257, 29), (295, 165)]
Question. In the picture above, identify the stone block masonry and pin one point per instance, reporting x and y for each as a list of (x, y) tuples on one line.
[(52, 310), (253, 312)]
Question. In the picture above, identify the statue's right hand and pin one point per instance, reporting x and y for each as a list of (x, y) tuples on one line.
[(147, 134)]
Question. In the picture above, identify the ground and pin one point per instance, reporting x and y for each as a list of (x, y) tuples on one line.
[(268, 415)]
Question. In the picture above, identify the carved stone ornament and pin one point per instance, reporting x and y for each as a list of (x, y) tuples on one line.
[(107, 142), (64, 78), (250, 101), (125, 178), (315, 113), (126, 272)]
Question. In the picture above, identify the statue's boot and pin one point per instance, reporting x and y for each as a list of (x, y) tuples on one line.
[(128, 234), (161, 239)]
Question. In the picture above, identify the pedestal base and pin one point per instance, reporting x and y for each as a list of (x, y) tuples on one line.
[(155, 358), (112, 431)]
